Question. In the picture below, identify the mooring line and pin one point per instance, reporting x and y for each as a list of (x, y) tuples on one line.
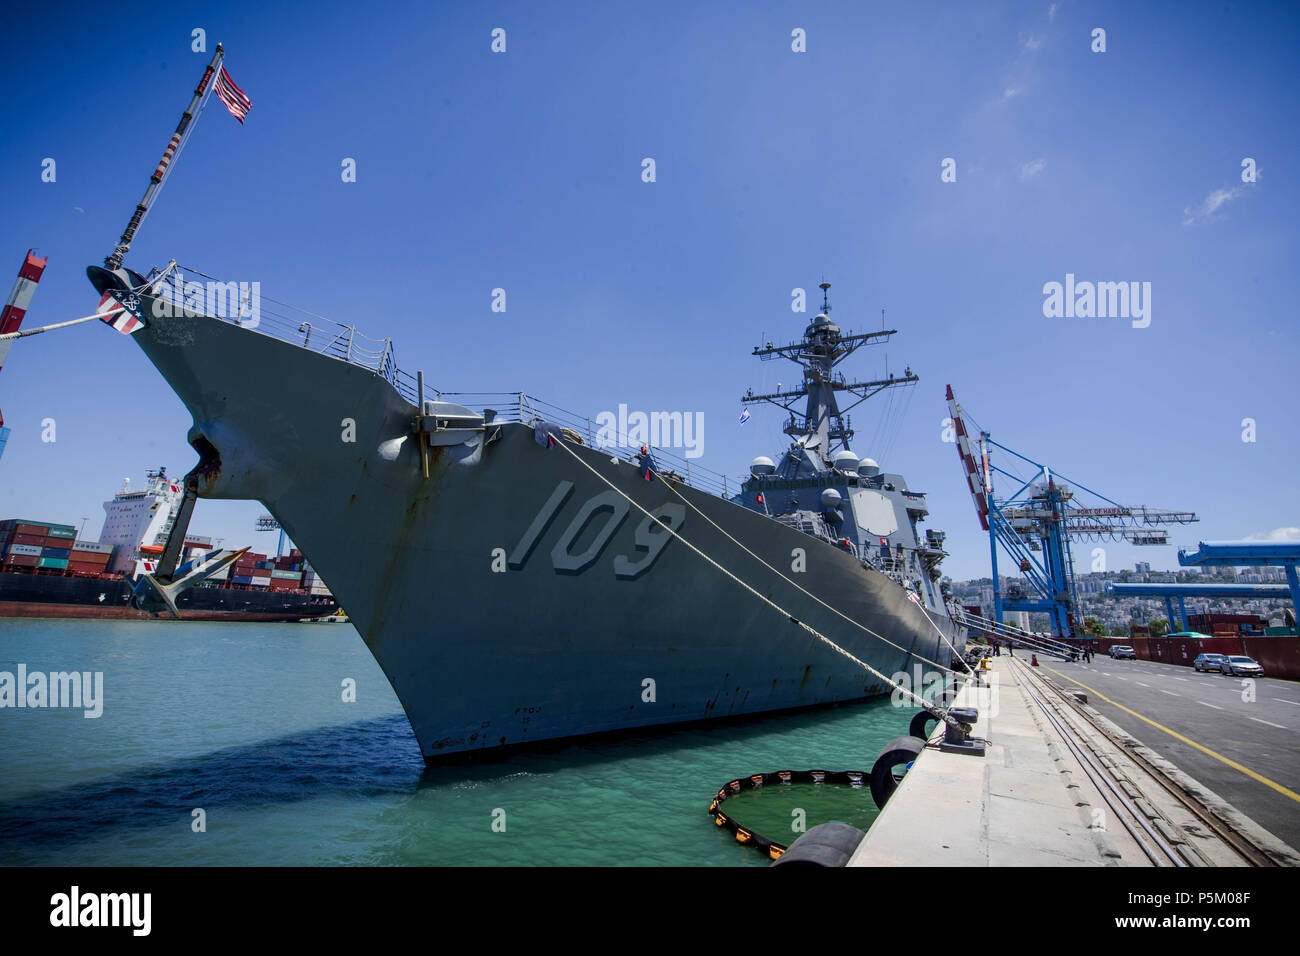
[(669, 485), (933, 709)]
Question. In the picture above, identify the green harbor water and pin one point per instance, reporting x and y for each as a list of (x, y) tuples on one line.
[(247, 723)]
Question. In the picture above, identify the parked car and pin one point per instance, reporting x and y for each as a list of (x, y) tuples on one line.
[(1123, 652), (1207, 662), (1237, 665)]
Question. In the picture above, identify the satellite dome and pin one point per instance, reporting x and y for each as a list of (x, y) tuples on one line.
[(831, 499), (867, 468), (845, 461), (762, 465)]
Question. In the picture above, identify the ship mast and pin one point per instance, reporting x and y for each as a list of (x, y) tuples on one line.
[(822, 425)]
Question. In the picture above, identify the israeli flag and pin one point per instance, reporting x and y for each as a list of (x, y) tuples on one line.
[(744, 416)]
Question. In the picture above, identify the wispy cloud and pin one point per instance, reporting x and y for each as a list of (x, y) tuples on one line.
[(1033, 168), (1277, 534), (1051, 12), (1032, 42), (1010, 92), (1208, 208)]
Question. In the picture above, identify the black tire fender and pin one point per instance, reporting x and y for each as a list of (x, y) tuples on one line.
[(921, 724), (896, 753)]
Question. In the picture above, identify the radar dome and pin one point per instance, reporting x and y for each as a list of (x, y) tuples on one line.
[(868, 468), (831, 499), (762, 465), (845, 460)]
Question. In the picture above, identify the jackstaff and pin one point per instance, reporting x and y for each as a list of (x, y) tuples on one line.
[(234, 100)]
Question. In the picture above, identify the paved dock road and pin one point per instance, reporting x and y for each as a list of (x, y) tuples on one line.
[(1246, 751)]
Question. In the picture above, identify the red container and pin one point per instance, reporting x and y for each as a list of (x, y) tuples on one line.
[(37, 540), (284, 584), (39, 529), (21, 560), (1278, 655), (80, 567)]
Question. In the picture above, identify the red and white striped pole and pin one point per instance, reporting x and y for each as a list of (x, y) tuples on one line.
[(11, 318), (114, 261)]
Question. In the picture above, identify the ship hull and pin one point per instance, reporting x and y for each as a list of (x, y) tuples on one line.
[(489, 642)]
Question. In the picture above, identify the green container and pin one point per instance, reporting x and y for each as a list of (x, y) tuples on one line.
[(61, 531), (61, 563)]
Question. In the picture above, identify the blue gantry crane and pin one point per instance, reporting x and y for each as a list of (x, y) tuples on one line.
[(1034, 525)]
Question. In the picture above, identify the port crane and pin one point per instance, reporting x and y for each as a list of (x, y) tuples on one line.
[(1035, 524), (268, 523)]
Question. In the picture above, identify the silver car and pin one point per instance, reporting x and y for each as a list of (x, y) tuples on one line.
[(1237, 665), (1208, 662)]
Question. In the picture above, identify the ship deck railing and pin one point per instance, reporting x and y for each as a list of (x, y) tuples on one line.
[(317, 333), (529, 409)]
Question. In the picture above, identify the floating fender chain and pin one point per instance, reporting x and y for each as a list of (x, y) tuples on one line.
[(774, 850)]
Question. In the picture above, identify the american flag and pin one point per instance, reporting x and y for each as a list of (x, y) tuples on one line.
[(231, 95), (123, 316)]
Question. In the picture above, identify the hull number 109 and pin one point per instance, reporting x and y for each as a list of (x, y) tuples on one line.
[(606, 513)]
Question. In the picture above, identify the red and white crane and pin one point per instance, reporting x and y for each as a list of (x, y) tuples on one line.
[(11, 318)]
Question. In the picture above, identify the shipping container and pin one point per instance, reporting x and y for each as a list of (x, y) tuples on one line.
[(81, 567), (286, 575), (36, 539), (24, 528), (60, 563), (21, 560), (29, 550), (93, 546), (283, 584), (48, 552), (65, 531)]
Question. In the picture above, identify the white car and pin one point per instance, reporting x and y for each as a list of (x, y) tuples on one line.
[(1238, 665)]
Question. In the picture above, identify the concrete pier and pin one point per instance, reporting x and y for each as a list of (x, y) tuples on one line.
[(1052, 790)]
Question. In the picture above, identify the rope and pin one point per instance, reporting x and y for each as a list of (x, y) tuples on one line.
[(924, 704), (23, 333), (834, 610)]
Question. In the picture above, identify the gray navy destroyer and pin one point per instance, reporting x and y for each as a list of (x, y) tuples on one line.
[(527, 592), (516, 583)]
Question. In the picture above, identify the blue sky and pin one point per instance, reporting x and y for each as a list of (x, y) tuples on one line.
[(522, 171)]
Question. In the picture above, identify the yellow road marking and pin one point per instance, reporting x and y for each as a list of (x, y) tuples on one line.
[(1191, 743)]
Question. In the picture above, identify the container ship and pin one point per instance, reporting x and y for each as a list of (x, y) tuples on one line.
[(45, 571)]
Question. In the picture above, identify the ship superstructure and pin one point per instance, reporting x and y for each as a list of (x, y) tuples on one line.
[(822, 488), (142, 517)]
